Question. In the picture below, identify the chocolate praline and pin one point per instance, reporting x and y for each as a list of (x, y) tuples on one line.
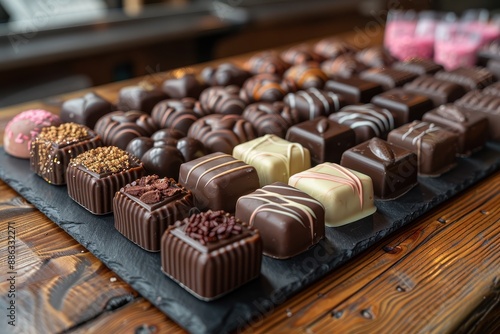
[(186, 86), (142, 97), (266, 88), (267, 62), (439, 91), (306, 75), (176, 114), (332, 47), (299, 54), (225, 74), (85, 110), (375, 56), (220, 100), (344, 66), (354, 89), (271, 118), (388, 77), (313, 102)]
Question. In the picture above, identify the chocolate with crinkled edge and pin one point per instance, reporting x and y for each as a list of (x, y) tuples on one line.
[(211, 269), (94, 177), (54, 147), (220, 100), (175, 114), (145, 208), (271, 118)]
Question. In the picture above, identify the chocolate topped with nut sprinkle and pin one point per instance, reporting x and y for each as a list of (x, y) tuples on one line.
[(105, 160), (65, 134)]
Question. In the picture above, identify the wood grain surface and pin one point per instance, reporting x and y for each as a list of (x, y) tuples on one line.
[(440, 274)]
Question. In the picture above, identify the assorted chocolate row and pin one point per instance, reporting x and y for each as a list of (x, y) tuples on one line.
[(214, 172)]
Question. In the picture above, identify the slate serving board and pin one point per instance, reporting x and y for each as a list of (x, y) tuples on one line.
[(279, 280)]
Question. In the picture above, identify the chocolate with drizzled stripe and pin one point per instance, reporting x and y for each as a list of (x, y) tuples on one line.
[(267, 62), (439, 91), (266, 88), (313, 102), (306, 75)]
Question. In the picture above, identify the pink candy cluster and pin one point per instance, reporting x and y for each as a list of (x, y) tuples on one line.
[(24, 127), (448, 40)]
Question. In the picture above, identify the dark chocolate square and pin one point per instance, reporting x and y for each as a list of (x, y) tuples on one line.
[(419, 66), (439, 91), (435, 147), (209, 269), (493, 89), (217, 180), (354, 89), (393, 169), (96, 175), (471, 127), (326, 140), (54, 147), (468, 77), (289, 220), (405, 106), (145, 208), (488, 105), (388, 77)]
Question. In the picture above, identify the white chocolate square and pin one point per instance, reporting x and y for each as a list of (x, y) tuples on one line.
[(274, 158), (347, 195)]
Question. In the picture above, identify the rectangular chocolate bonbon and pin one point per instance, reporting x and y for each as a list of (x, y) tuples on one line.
[(354, 89), (52, 150), (470, 126), (439, 91), (435, 147), (211, 253), (393, 169), (96, 175), (217, 180), (145, 208), (487, 105), (418, 66), (468, 77), (289, 220), (388, 77)]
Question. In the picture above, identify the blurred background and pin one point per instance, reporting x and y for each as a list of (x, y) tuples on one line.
[(49, 47)]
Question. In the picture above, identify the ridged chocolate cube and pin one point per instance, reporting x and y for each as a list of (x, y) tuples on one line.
[(145, 208), (217, 180), (96, 175), (53, 148), (289, 220), (211, 253)]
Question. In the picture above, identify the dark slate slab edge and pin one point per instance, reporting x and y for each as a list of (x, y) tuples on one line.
[(280, 279)]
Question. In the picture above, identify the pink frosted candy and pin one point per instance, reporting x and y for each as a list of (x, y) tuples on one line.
[(23, 128)]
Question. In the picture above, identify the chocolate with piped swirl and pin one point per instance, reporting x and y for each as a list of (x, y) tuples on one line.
[(299, 54), (145, 208), (271, 118), (289, 220), (388, 77), (393, 169), (468, 77), (343, 66), (142, 97), (85, 110), (347, 195), (333, 47), (434, 146), (439, 91), (186, 86), (54, 147), (221, 133), (274, 158), (267, 62), (470, 126), (366, 120), (119, 128), (306, 75), (175, 114), (217, 180), (266, 88), (220, 100), (94, 177), (225, 74), (211, 269), (419, 66), (313, 102), (326, 140), (375, 56)]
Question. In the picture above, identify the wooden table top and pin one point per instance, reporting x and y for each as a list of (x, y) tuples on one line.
[(439, 274)]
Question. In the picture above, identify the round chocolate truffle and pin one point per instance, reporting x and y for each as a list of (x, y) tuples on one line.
[(175, 114), (119, 128), (23, 128), (164, 161), (271, 118), (220, 100), (267, 62), (375, 56), (221, 133), (191, 148), (140, 145), (142, 97), (185, 86), (332, 47), (225, 74), (300, 54), (85, 110), (307, 75), (265, 87), (344, 66)]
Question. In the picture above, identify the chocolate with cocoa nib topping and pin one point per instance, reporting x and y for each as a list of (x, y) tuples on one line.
[(212, 226)]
